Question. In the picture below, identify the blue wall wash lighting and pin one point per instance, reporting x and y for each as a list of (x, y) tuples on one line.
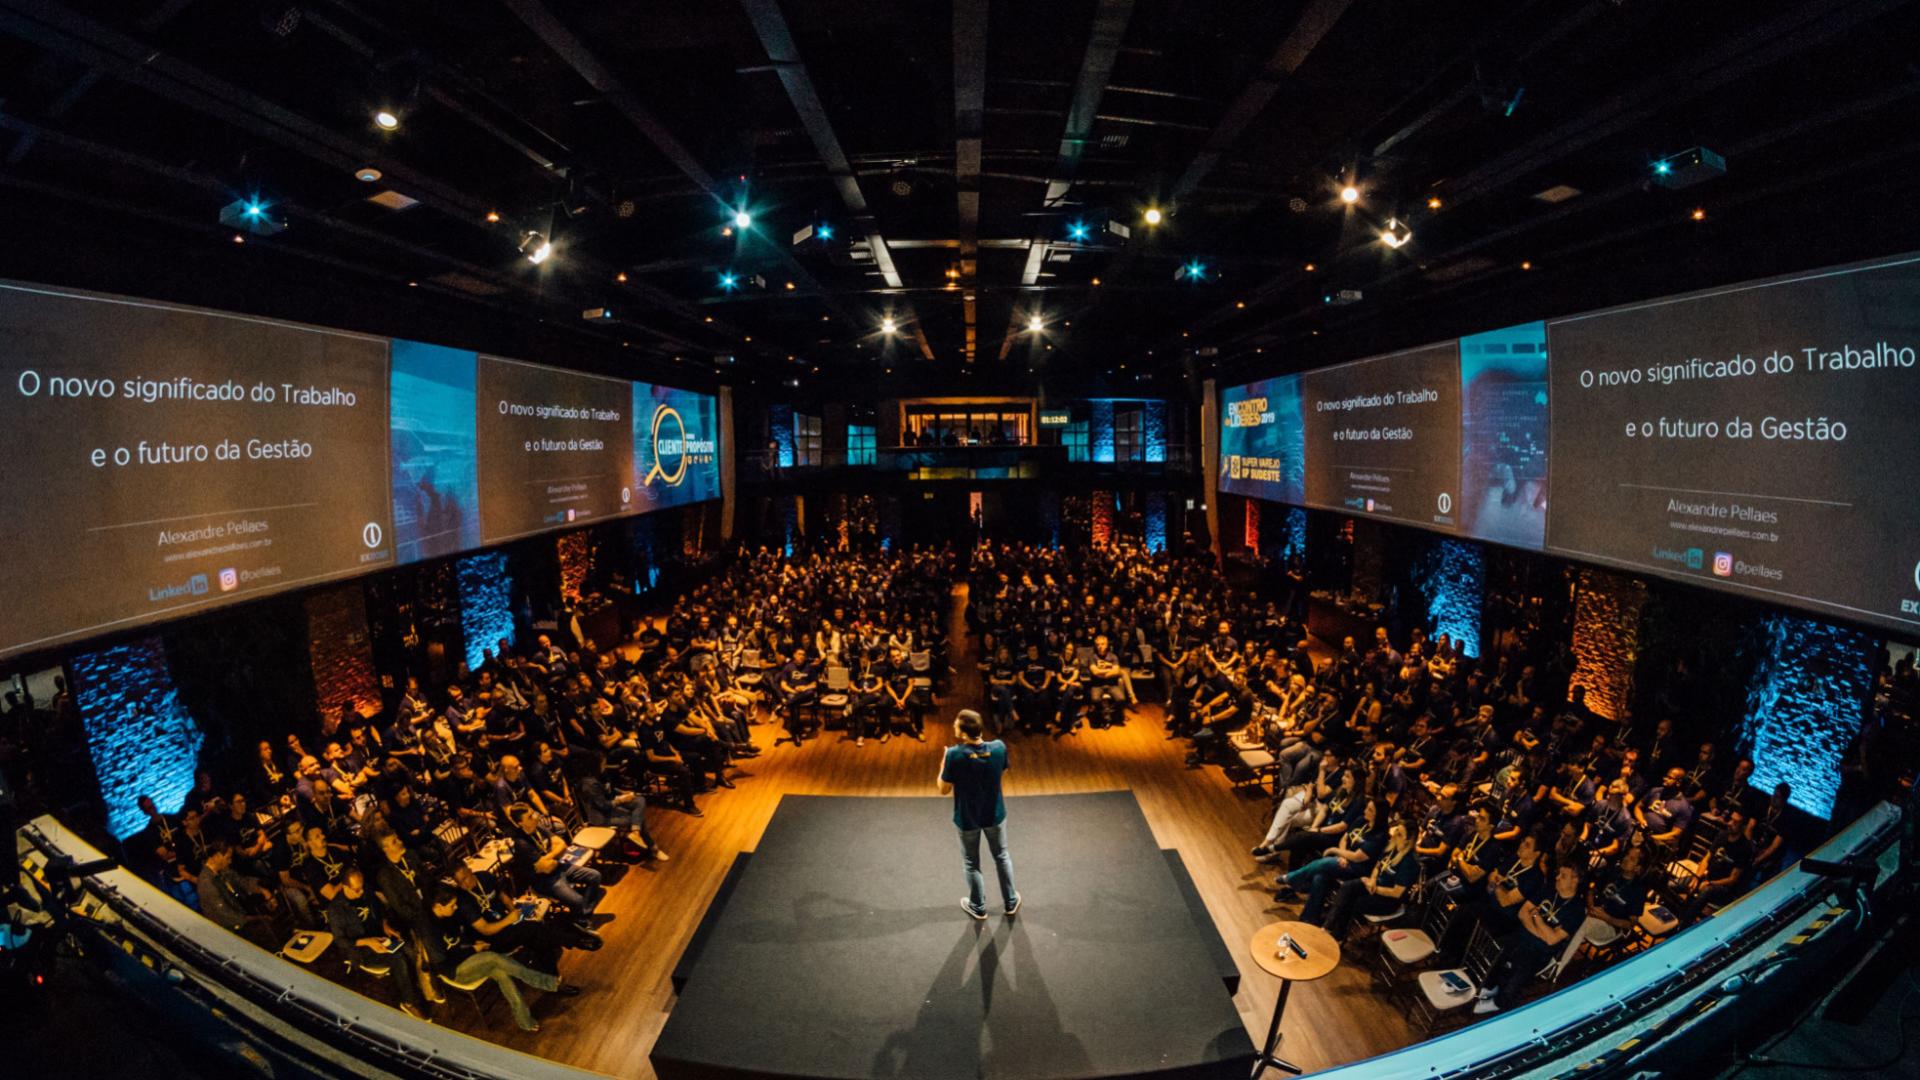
[(1451, 574), (1296, 530), (1100, 429), (1154, 523), (139, 733), (1154, 427), (1804, 706), (780, 431), (486, 602)]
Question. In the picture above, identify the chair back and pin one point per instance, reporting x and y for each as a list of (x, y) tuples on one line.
[(1483, 955), (921, 661), (837, 680)]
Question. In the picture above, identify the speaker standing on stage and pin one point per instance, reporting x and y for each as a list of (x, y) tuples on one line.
[(971, 772)]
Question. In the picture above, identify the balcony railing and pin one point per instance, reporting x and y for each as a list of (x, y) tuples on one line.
[(971, 463)]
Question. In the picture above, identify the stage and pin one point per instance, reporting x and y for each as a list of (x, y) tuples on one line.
[(839, 950)]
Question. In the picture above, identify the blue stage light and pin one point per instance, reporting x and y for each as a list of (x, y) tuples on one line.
[(254, 209), (1079, 231), (729, 281), (824, 231), (1661, 168)]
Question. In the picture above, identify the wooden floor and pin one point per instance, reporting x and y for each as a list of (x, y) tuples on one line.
[(611, 1027)]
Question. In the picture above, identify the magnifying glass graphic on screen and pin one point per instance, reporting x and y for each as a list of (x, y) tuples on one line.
[(660, 416)]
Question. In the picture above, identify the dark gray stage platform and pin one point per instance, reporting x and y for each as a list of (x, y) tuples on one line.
[(842, 952)]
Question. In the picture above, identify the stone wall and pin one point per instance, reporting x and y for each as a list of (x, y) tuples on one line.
[(1451, 575), (486, 602), (1606, 639), (139, 733), (340, 649), (1806, 701)]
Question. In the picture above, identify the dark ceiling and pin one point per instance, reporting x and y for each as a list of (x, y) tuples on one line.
[(951, 146)]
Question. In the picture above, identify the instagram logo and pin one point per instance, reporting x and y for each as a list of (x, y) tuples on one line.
[(1723, 564), (229, 579)]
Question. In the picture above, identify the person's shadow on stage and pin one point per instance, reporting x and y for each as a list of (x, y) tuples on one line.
[(978, 1024)]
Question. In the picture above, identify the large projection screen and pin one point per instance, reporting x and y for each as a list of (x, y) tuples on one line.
[(1763, 438), (555, 449), (1262, 440), (676, 446), (161, 460), (1383, 436)]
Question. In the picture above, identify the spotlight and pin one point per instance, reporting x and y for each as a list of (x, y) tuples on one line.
[(1699, 213), (1153, 216), (1191, 271), (824, 231), (1349, 194), (238, 239), (1096, 283), (253, 215), (536, 248), (888, 326), (1433, 202), (726, 230), (742, 220), (1311, 268), (789, 286), (367, 174), (729, 280), (621, 277), (1526, 265), (1395, 234), (1035, 325), (386, 120), (1079, 231), (493, 217), (1689, 167)]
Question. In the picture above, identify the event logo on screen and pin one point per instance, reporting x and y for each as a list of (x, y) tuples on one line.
[(673, 444)]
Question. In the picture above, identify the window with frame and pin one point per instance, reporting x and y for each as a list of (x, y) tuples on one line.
[(1074, 438), (862, 439), (1129, 434), (806, 439)]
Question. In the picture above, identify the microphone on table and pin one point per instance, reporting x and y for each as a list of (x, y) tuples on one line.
[(1287, 940)]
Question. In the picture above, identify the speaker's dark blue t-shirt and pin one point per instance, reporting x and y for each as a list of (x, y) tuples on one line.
[(974, 771)]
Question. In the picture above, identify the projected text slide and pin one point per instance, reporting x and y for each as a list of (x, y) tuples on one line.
[(555, 448), (1383, 436), (1761, 438), (178, 458)]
